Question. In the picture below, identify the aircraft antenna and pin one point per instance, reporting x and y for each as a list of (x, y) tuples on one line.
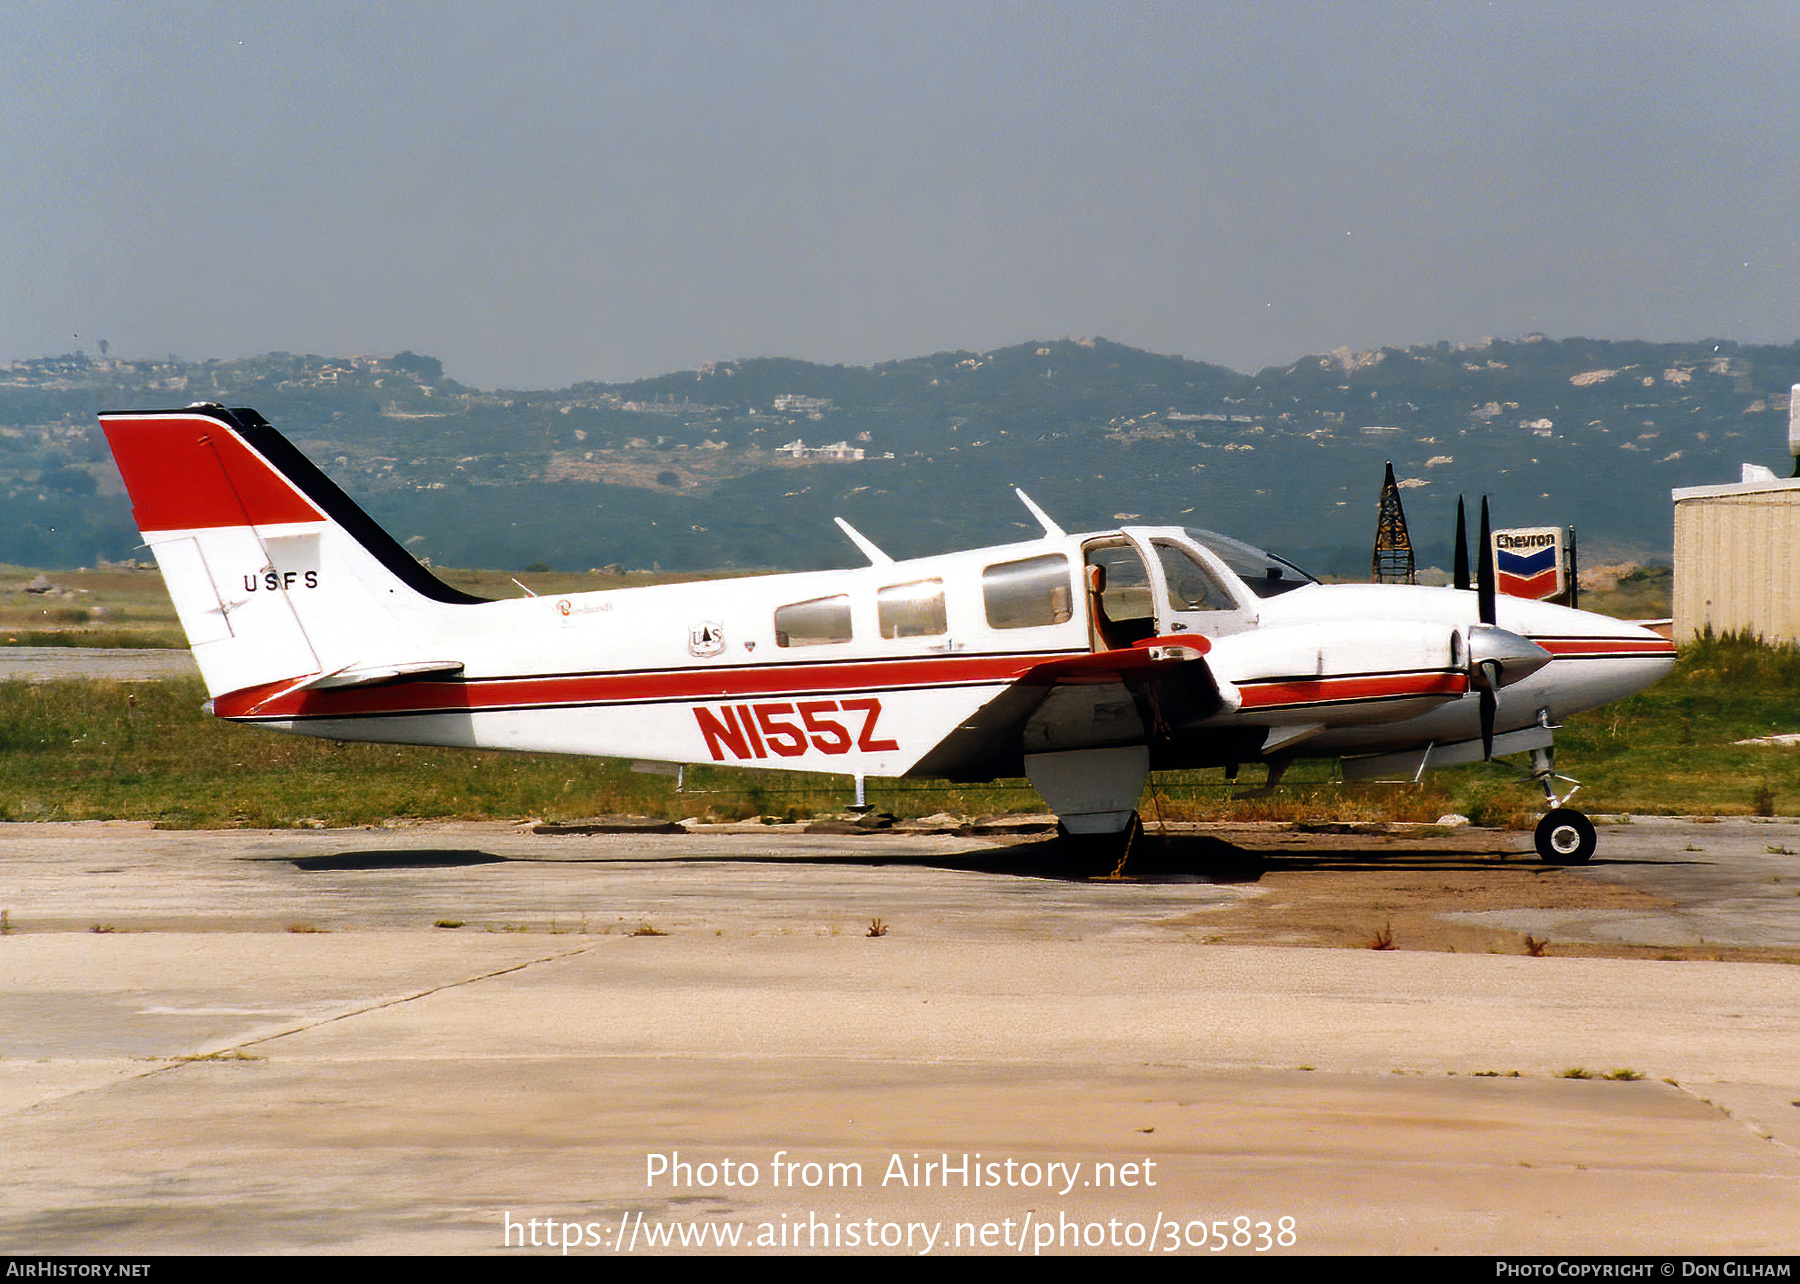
[(1393, 560), (875, 555), (1051, 529), (1462, 547)]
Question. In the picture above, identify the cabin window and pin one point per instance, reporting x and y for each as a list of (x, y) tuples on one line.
[(1265, 574), (1191, 586), (1029, 593), (814, 623), (911, 610)]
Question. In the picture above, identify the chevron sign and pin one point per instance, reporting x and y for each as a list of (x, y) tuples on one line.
[(1528, 562)]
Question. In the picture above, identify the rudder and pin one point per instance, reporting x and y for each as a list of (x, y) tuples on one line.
[(276, 574)]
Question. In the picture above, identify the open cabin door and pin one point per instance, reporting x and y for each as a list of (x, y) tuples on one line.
[(1121, 596), (1147, 582)]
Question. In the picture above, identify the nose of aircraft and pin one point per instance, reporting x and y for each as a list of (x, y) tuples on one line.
[(1598, 658)]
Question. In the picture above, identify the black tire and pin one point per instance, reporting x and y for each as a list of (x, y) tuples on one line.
[(1565, 837)]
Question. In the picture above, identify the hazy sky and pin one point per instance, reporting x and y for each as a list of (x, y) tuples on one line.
[(539, 193)]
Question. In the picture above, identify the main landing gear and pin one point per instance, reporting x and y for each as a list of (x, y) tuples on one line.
[(1100, 855), (1094, 793), (1564, 836)]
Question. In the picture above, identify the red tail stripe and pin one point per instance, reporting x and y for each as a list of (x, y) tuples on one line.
[(188, 472)]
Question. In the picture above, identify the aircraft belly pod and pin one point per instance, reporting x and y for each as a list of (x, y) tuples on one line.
[(1083, 661)]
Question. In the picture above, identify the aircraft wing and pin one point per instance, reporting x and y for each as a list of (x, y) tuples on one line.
[(1125, 695)]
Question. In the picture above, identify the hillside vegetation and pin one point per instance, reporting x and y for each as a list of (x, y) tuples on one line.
[(719, 467)]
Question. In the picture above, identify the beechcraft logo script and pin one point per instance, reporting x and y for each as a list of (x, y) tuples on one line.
[(790, 730)]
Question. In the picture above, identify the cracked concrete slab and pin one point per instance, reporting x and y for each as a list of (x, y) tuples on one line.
[(203, 1080), (1733, 882)]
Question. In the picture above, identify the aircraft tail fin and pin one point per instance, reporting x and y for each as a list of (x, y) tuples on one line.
[(276, 573)]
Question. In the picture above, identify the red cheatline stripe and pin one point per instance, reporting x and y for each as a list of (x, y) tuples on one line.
[(624, 688), (680, 684), (1611, 647), (189, 472), (1345, 690)]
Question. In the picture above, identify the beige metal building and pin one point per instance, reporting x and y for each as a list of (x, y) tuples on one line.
[(1735, 557)]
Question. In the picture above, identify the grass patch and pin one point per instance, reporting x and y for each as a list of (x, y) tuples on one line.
[(91, 750), (1671, 748), (86, 750), (156, 639), (108, 607)]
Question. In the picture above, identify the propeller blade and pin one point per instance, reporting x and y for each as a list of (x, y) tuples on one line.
[(1489, 703), (1484, 564), (1462, 547)]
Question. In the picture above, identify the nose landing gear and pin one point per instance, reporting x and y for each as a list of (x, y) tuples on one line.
[(1564, 836)]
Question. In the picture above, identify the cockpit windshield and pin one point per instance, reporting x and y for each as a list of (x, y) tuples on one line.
[(1264, 573)]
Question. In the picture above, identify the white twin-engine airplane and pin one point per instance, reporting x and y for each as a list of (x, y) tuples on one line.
[(1081, 661)]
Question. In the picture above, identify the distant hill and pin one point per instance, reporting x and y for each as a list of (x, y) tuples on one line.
[(721, 467)]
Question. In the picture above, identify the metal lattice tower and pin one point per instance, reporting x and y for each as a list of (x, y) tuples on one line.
[(1393, 560)]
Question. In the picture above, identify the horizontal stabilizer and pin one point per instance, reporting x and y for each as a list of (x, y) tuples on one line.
[(373, 675), (362, 675)]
